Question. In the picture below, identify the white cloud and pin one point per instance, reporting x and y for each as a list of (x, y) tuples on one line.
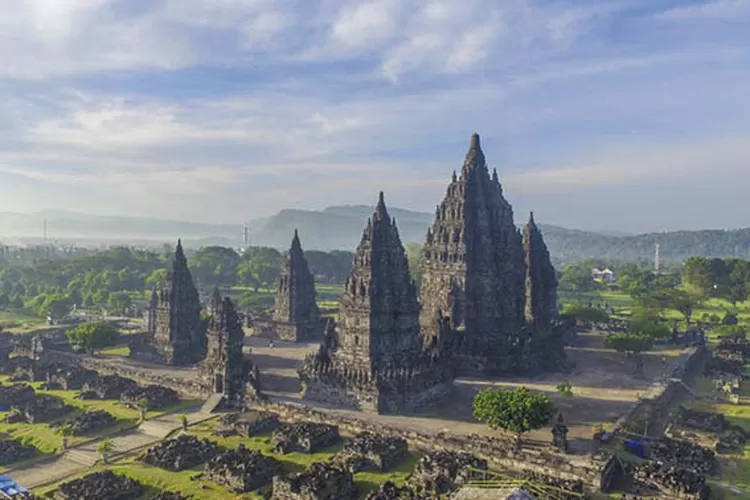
[(726, 10)]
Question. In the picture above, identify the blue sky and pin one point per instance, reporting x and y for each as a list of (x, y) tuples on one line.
[(631, 115)]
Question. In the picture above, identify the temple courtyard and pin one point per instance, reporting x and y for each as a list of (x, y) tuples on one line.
[(602, 381)]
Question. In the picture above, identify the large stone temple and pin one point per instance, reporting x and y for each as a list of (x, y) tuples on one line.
[(296, 316), (175, 334), (375, 361), (480, 303), (225, 369), (296, 312)]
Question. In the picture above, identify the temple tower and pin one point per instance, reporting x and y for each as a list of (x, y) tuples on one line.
[(224, 369), (541, 282), (296, 312), (175, 335), (375, 361), (473, 272)]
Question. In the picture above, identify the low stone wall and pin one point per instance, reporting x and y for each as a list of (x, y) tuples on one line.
[(186, 389), (498, 451), (662, 392)]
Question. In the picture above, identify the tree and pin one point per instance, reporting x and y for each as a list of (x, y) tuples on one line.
[(577, 278), (215, 265), (648, 323), (565, 388), (632, 345), (260, 266), (586, 315), (120, 301), (93, 336), (414, 254), (514, 410), (105, 449), (681, 301)]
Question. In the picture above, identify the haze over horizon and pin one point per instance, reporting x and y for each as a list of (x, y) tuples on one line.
[(627, 115)]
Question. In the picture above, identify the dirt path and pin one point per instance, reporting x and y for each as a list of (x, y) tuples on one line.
[(80, 458)]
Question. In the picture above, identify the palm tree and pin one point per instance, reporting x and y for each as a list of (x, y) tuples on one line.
[(143, 407), (105, 448)]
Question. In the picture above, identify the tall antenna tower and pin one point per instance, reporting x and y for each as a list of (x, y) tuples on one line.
[(657, 259), (44, 230), (245, 236)]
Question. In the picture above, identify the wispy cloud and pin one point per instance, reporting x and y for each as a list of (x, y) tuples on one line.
[(266, 104)]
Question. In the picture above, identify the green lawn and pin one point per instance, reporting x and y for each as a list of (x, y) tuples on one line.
[(122, 350), (20, 320)]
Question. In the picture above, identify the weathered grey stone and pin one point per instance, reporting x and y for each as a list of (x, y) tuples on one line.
[(180, 453), (372, 452), (480, 306), (176, 335), (304, 437), (98, 486), (375, 362), (321, 481), (242, 470)]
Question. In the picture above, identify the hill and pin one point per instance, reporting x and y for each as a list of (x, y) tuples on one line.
[(340, 227)]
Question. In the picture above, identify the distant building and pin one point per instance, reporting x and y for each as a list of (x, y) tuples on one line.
[(605, 275)]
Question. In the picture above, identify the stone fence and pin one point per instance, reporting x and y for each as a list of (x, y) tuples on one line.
[(498, 451), (662, 392), (186, 388)]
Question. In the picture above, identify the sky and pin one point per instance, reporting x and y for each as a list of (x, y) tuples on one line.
[(627, 115)]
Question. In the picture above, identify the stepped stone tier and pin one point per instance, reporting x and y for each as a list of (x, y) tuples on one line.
[(375, 361), (225, 370), (296, 316), (480, 303), (175, 334)]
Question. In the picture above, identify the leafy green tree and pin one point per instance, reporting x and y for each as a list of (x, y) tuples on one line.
[(577, 278), (215, 266), (514, 410), (105, 450), (565, 388), (585, 314), (120, 301), (93, 336), (414, 254), (260, 266)]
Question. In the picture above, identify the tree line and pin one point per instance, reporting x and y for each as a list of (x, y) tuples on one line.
[(112, 278)]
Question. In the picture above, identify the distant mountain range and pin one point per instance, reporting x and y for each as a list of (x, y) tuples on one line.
[(340, 227)]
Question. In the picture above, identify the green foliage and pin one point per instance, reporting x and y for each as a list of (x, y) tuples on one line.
[(729, 319), (414, 254), (719, 278), (584, 313), (212, 266), (259, 267), (515, 410), (105, 447), (730, 331), (628, 343), (93, 336), (577, 278), (648, 323), (565, 388)]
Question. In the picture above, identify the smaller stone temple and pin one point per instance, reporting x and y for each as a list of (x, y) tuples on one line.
[(375, 362), (296, 316), (175, 334), (225, 370)]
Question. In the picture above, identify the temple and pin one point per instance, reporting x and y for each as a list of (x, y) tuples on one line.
[(474, 278), (375, 361), (224, 371), (175, 334), (296, 316)]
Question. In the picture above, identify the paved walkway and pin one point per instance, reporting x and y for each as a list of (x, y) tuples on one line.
[(83, 457)]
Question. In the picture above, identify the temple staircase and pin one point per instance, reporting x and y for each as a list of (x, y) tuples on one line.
[(212, 403), (156, 428), (86, 458)]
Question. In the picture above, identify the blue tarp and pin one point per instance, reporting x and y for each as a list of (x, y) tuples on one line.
[(637, 448), (10, 489)]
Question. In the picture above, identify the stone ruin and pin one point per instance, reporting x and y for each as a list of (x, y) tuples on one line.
[(442, 472), (560, 434), (12, 451), (702, 420), (90, 422), (376, 362), (22, 369), (183, 452), (156, 396), (42, 408), (488, 294), (672, 480), (98, 486), (304, 437), (107, 387), (683, 454), (322, 481), (389, 491), (249, 424), (368, 451), (242, 470), (225, 370), (16, 395), (70, 378), (296, 316), (176, 335)]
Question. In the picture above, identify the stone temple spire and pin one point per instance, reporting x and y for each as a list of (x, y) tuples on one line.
[(540, 309), (376, 363), (296, 314), (473, 271)]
